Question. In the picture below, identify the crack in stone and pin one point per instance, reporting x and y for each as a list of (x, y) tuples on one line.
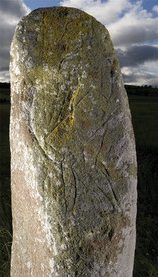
[(82, 98), (102, 125), (115, 199), (64, 185), (106, 196), (101, 145), (75, 186), (63, 34)]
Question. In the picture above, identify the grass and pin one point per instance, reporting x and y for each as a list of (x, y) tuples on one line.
[(145, 120), (4, 95), (146, 258), (5, 201), (5, 251)]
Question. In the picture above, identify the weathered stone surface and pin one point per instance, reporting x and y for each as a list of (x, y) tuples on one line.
[(73, 152)]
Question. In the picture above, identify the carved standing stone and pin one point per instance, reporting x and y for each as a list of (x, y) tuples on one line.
[(73, 159)]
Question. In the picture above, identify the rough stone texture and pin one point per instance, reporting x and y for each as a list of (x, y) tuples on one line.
[(73, 151)]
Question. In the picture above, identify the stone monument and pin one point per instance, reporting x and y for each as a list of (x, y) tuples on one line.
[(73, 159)]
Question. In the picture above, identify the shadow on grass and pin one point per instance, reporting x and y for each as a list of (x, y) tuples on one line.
[(146, 258)]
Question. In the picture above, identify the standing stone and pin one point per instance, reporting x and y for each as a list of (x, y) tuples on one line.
[(73, 151)]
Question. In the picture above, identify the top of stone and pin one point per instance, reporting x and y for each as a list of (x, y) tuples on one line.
[(52, 33), (68, 12)]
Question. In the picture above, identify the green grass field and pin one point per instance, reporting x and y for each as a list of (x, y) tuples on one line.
[(145, 121)]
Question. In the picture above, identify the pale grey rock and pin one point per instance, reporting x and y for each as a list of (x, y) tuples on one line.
[(73, 159)]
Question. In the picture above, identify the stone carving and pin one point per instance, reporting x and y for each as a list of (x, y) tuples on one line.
[(73, 153)]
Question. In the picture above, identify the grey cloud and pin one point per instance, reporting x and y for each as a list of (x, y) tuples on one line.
[(130, 35), (141, 79), (137, 55), (4, 76), (12, 7), (124, 34), (11, 11), (6, 35), (4, 62)]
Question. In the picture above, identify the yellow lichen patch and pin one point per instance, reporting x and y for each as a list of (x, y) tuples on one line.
[(74, 99), (62, 132), (37, 73), (42, 74)]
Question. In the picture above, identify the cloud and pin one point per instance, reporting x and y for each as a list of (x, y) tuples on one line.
[(138, 54), (135, 26), (140, 79), (133, 30), (155, 9), (134, 33), (104, 11), (4, 76), (13, 8), (10, 14), (141, 75), (127, 23)]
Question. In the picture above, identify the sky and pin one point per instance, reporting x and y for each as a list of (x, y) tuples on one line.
[(133, 26)]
